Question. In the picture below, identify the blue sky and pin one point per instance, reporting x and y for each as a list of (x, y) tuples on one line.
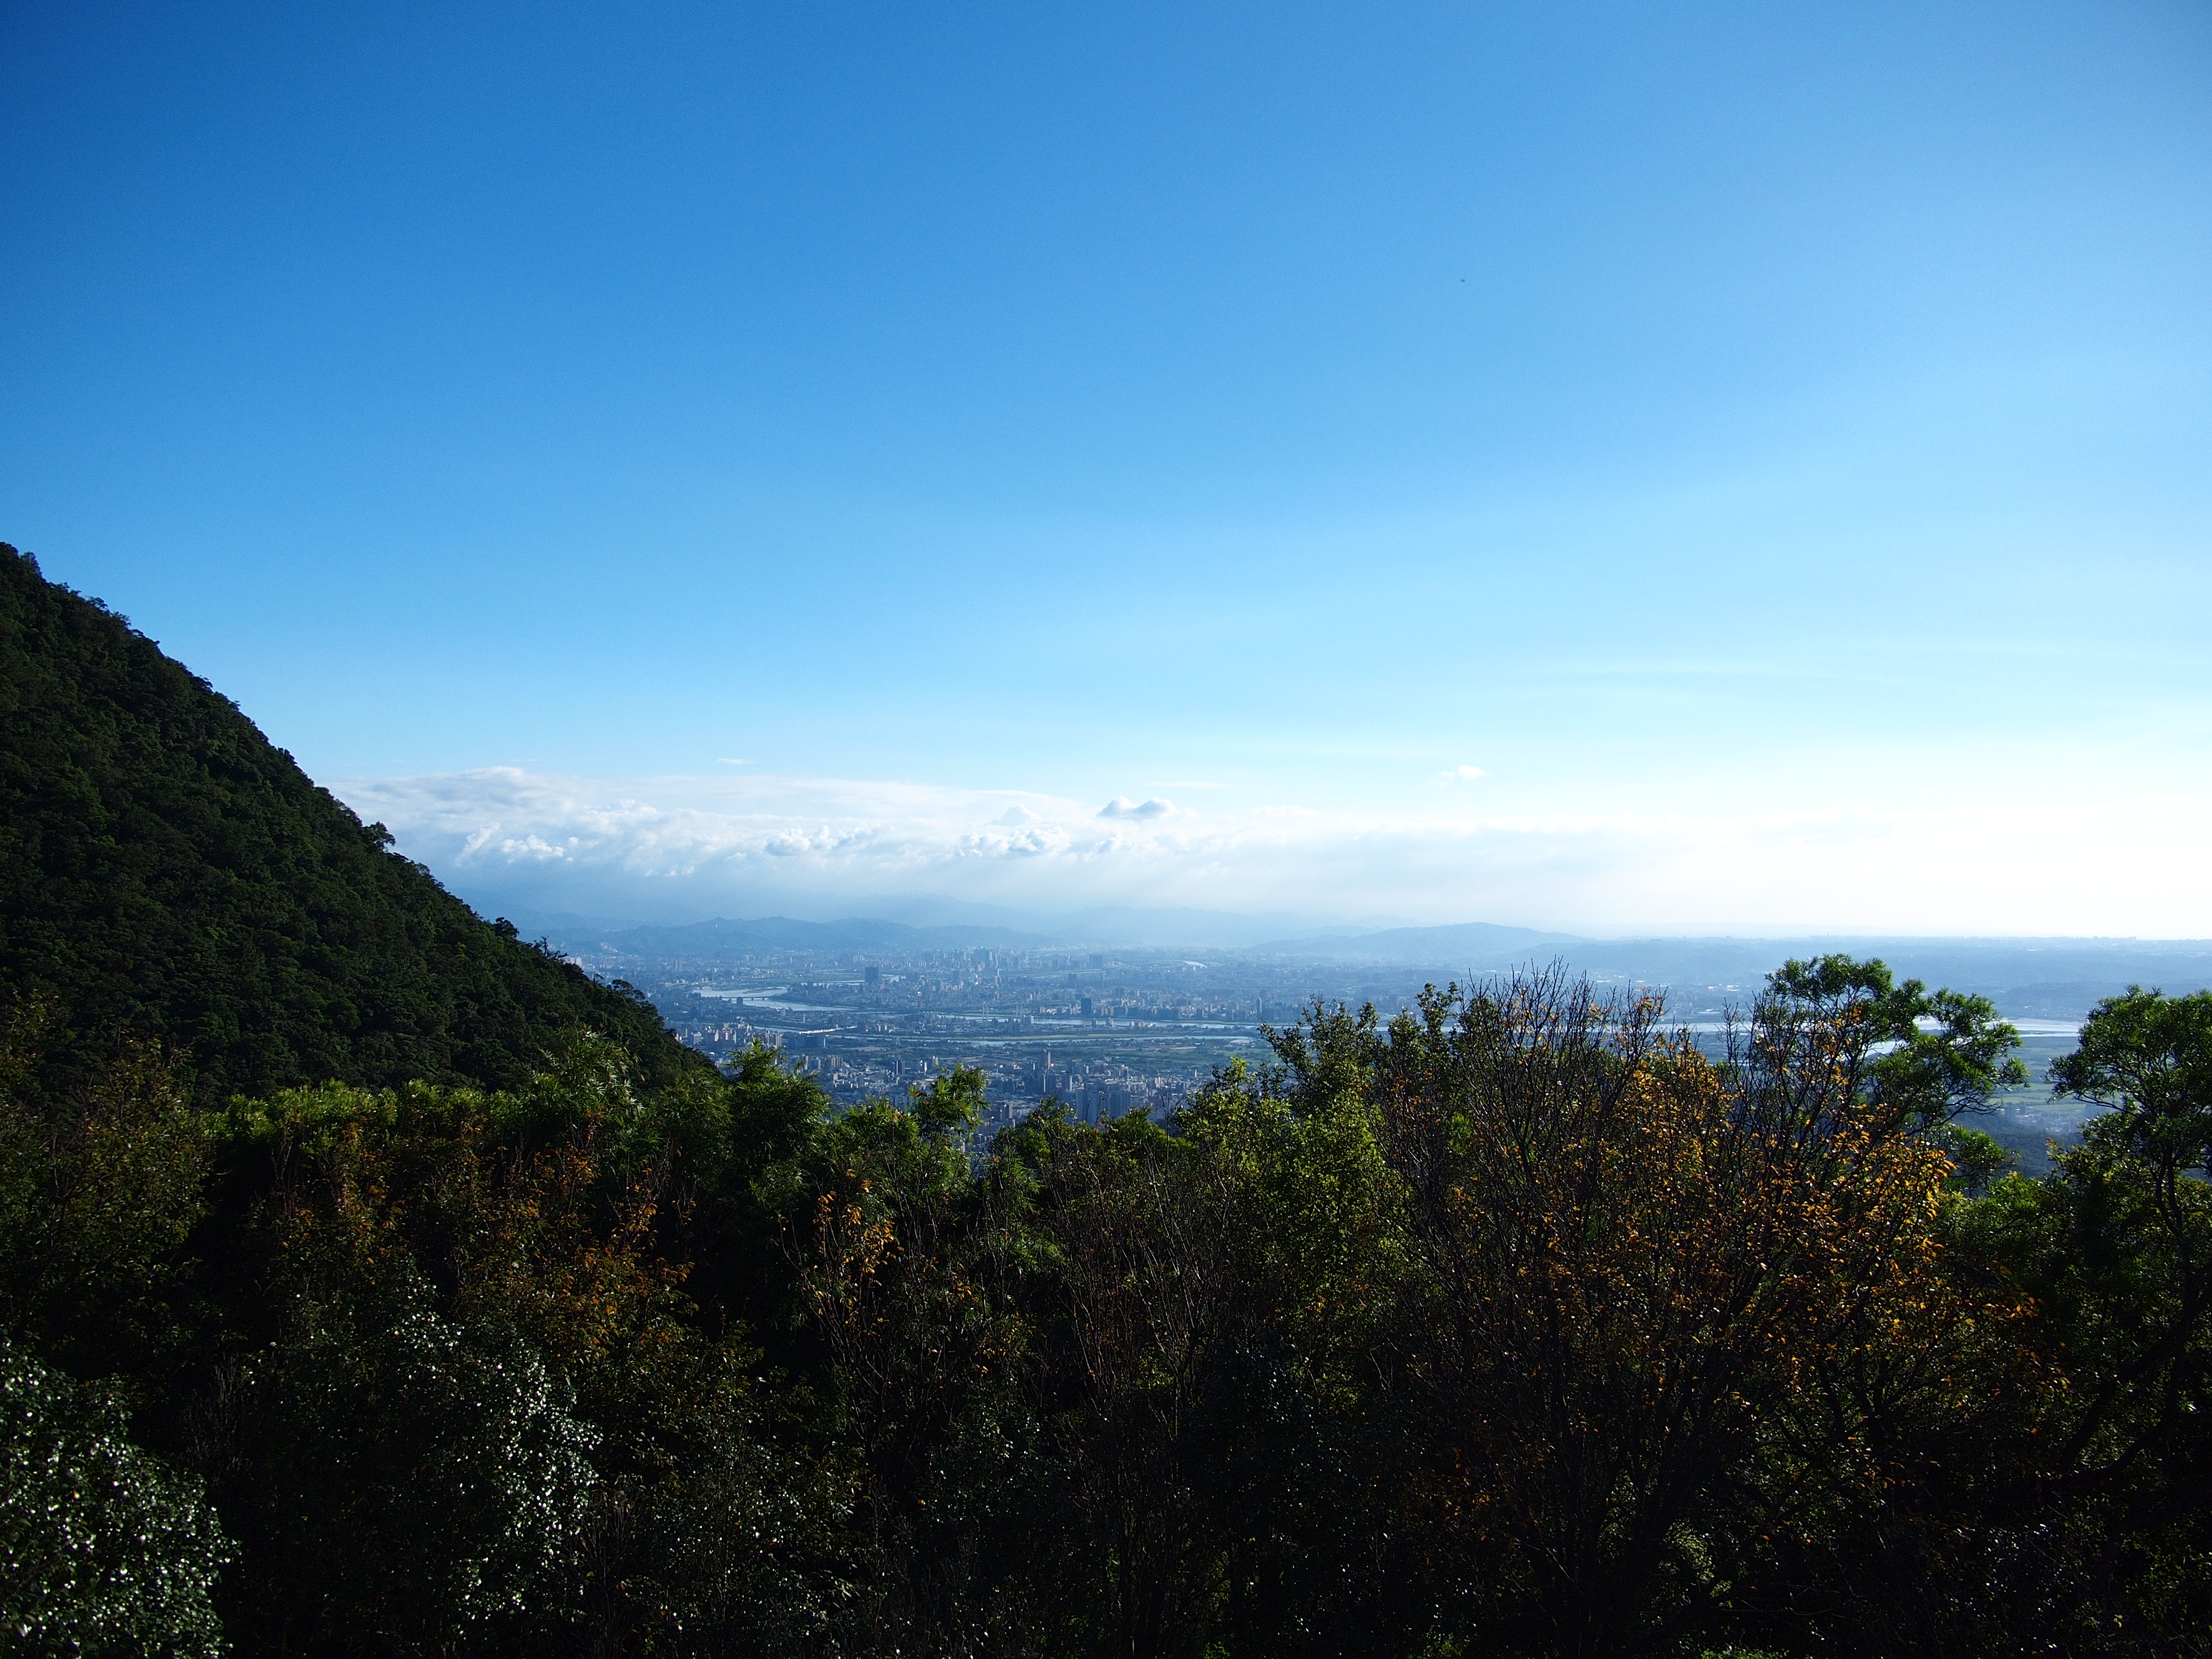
[(1767, 445)]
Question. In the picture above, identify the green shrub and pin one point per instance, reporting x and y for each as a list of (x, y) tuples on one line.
[(104, 1549)]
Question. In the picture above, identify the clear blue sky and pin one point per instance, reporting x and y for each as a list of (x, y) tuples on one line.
[(1769, 443)]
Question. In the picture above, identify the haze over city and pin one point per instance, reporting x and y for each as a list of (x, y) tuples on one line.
[(1731, 469)]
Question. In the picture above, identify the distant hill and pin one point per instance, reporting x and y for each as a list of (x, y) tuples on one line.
[(2026, 978), (729, 939), (932, 924), (724, 939), (166, 871), (1480, 944), (1121, 926)]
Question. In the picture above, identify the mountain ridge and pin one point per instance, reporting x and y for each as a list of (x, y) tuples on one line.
[(167, 872)]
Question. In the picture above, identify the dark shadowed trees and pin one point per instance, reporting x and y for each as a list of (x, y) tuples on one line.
[(167, 873)]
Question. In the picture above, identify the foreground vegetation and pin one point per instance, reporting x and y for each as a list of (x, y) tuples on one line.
[(1514, 1326)]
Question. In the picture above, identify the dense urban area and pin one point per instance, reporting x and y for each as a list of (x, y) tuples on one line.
[(1107, 1034), (1130, 1030)]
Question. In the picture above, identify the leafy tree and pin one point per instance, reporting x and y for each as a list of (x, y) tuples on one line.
[(2115, 1248), (1142, 1312), (101, 1182), (1312, 1449), (1978, 1158), (2148, 1057), (905, 1257), (1918, 1058), (487, 1414), (1653, 1339), (1618, 1260)]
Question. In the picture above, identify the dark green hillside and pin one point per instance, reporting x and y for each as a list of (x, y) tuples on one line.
[(165, 870)]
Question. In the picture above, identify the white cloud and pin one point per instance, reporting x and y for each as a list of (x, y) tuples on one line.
[(1123, 807), (760, 842), (1461, 775)]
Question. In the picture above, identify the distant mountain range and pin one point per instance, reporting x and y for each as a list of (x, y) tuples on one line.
[(725, 940), (926, 928), (1110, 926), (1473, 942), (2028, 978)]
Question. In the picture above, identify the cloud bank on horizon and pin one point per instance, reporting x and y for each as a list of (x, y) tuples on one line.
[(688, 848)]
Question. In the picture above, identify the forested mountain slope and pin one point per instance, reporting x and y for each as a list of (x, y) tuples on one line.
[(166, 871)]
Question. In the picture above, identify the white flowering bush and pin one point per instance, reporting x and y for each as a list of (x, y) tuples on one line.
[(441, 1482), (104, 1548)]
